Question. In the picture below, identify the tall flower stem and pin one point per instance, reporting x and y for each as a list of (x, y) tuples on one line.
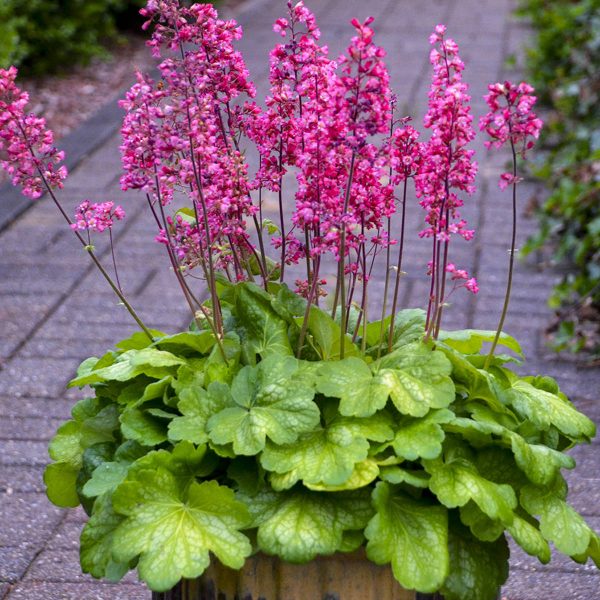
[(398, 267), (511, 260), (341, 268)]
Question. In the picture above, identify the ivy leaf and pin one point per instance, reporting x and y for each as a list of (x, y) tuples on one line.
[(269, 400), (529, 537), (172, 530), (458, 481), (412, 535), (477, 569), (470, 341), (546, 409), (299, 525), (326, 456), (417, 378), (197, 406), (422, 438), (361, 392), (559, 523), (97, 540), (147, 361)]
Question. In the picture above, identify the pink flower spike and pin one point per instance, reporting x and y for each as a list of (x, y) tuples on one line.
[(97, 216)]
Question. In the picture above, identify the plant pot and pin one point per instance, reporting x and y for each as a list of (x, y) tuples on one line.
[(341, 576)]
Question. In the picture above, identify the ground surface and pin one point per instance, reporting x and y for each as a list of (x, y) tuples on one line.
[(54, 311)]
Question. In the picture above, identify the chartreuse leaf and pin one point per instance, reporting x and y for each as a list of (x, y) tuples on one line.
[(97, 539), (397, 475), (545, 409), (470, 341), (197, 406), (364, 473), (422, 438), (457, 482), (409, 327), (481, 526), (139, 340), (172, 529), (147, 361), (592, 551), (223, 368), (477, 569), (141, 426), (361, 392), (559, 523), (271, 401), (326, 456), (412, 535), (299, 525), (60, 479), (200, 342)]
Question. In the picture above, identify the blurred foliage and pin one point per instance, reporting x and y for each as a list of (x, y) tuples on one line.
[(45, 36), (564, 66)]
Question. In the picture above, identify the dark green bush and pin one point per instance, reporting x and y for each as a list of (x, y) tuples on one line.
[(42, 36), (564, 65)]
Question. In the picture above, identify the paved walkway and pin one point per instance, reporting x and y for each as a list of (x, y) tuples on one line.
[(55, 311)]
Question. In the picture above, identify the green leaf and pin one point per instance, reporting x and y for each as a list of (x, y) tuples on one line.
[(529, 537), (409, 327), (266, 331), (219, 368), (200, 342), (299, 525), (364, 473), (422, 438), (559, 523), (147, 361), (271, 401), (412, 535), (481, 526), (197, 406), (140, 426), (108, 475), (325, 335), (139, 340), (326, 456), (172, 530), (458, 481), (417, 378), (477, 569), (61, 480), (470, 341), (97, 540), (546, 409), (397, 475), (361, 392)]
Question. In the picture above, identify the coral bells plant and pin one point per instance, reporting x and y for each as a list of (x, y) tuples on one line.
[(287, 419)]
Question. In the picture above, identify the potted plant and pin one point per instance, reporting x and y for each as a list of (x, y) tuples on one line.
[(289, 426)]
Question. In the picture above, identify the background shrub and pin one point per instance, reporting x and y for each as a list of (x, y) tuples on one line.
[(45, 36), (564, 65)]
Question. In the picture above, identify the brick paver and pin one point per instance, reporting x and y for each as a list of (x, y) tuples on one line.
[(55, 311)]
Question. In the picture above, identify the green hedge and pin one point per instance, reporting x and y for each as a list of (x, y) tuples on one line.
[(42, 36), (564, 65)]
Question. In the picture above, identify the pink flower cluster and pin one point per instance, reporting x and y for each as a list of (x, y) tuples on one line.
[(181, 134), (511, 121), (32, 160), (458, 275), (97, 216), (447, 164)]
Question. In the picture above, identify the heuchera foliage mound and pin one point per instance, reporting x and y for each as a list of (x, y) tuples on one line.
[(289, 421)]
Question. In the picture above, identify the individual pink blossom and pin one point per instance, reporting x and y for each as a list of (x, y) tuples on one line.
[(32, 160), (511, 118), (97, 216)]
